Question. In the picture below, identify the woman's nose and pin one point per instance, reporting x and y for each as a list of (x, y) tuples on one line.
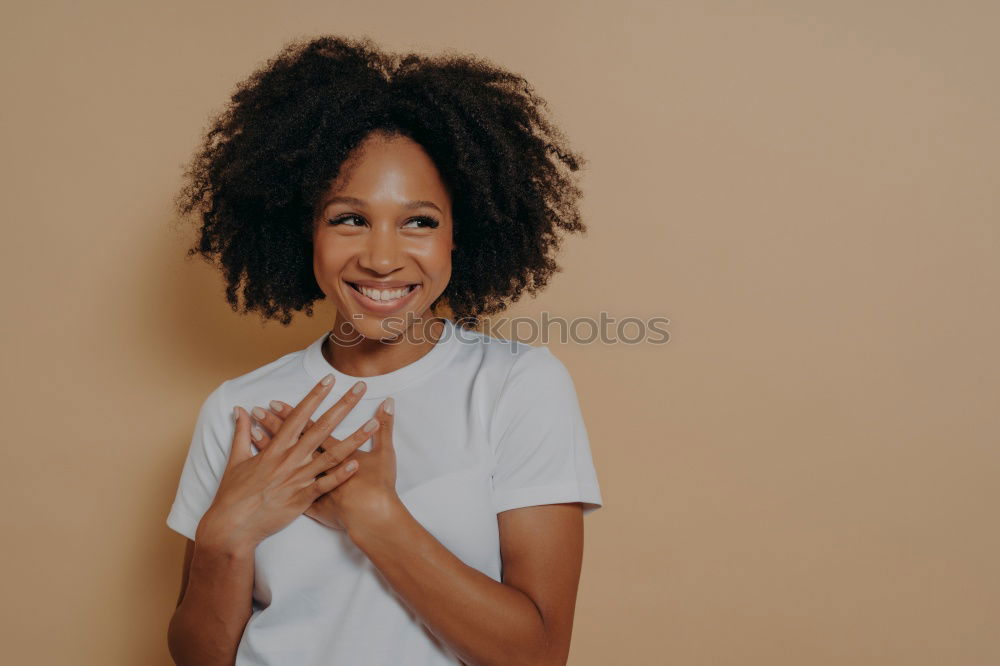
[(382, 252)]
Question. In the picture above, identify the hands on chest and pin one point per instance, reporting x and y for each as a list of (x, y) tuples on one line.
[(372, 487), (302, 469)]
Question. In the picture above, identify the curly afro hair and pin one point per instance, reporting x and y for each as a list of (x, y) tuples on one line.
[(267, 158)]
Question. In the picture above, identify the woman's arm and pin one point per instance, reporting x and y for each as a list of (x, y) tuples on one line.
[(526, 619), (216, 603)]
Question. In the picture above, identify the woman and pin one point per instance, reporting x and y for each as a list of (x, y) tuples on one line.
[(404, 490)]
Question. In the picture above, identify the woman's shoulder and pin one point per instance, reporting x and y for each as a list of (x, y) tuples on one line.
[(281, 369), (499, 356), (513, 370), (271, 380)]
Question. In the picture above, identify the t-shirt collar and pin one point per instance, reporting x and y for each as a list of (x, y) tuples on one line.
[(379, 386)]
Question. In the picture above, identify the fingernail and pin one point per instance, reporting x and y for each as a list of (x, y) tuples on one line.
[(275, 405), (371, 425), (351, 466), (236, 413), (259, 413), (387, 405), (326, 381), (359, 387), (257, 433)]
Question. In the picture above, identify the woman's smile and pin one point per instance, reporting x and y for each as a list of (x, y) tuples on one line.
[(383, 300)]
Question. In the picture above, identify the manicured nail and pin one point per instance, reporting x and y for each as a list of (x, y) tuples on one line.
[(351, 466), (276, 406), (387, 405), (371, 425), (359, 387), (259, 413), (326, 381), (257, 433)]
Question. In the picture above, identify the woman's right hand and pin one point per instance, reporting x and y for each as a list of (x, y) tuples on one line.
[(259, 495)]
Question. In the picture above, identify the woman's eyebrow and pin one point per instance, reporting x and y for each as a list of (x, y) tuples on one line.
[(420, 203)]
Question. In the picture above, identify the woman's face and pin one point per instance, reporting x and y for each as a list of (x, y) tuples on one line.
[(382, 239)]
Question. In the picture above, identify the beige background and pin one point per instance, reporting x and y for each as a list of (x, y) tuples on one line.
[(805, 474)]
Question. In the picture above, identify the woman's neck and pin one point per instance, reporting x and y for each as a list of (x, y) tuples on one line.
[(371, 357)]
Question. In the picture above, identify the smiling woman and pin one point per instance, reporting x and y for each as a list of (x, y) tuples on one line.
[(407, 489)]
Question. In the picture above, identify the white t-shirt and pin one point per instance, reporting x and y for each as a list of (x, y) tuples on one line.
[(482, 425)]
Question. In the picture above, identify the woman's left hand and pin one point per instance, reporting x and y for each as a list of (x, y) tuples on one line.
[(369, 495)]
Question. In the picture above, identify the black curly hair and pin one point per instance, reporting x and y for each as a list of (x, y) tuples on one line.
[(268, 157)]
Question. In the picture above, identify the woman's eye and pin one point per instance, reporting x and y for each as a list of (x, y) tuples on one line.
[(426, 222), (343, 218)]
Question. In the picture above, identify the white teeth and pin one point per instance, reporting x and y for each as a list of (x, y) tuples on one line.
[(384, 294)]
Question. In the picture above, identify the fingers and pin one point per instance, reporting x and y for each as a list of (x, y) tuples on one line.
[(290, 430), (329, 420), (272, 419), (261, 436), (340, 451), (265, 424), (240, 449), (383, 438), (332, 479)]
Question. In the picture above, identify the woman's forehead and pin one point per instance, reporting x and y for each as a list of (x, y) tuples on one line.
[(393, 168)]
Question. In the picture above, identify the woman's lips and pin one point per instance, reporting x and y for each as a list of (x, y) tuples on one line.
[(383, 307)]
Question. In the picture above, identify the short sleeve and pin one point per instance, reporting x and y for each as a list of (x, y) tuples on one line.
[(205, 463), (540, 444)]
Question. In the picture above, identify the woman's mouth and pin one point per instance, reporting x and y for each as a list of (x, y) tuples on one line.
[(383, 301)]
